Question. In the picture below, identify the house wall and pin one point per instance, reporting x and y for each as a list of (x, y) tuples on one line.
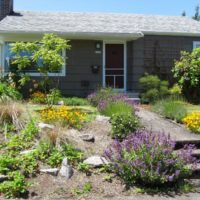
[(155, 54), (79, 79)]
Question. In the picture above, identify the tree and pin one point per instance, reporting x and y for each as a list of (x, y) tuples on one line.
[(46, 55), (187, 73), (183, 13), (197, 14)]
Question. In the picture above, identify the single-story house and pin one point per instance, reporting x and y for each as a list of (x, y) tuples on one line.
[(108, 49)]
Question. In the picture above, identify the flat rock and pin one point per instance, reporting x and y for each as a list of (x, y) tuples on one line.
[(101, 118), (44, 126), (27, 151), (87, 137), (61, 103), (65, 162), (52, 171), (66, 171), (96, 161), (3, 178)]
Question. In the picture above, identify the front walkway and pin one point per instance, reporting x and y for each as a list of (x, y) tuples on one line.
[(154, 122)]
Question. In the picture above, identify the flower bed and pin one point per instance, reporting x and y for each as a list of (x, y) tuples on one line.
[(149, 159), (192, 121), (64, 115)]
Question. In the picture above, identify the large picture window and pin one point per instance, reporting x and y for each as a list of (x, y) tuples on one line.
[(32, 69), (196, 44)]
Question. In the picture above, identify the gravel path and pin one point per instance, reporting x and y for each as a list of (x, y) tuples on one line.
[(154, 122)]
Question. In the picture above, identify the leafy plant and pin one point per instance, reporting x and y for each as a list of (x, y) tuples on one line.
[(123, 124), (53, 97), (171, 108), (152, 88), (83, 167), (14, 187), (7, 163), (187, 73), (8, 93), (38, 97), (75, 101), (149, 159)]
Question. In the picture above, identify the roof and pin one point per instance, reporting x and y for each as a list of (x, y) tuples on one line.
[(102, 23)]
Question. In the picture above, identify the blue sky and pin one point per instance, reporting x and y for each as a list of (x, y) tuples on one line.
[(163, 7)]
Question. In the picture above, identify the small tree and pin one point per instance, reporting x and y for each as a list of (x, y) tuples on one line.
[(183, 14), (187, 73), (46, 55), (197, 14)]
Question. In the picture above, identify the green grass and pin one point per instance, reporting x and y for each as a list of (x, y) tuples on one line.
[(117, 108), (75, 101)]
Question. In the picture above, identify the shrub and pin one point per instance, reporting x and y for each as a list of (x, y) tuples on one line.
[(53, 97), (187, 73), (8, 93), (100, 95), (116, 107), (192, 121), (75, 101), (152, 88), (171, 108), (175, 90), (63, 115), (123, 124), (149, 159)]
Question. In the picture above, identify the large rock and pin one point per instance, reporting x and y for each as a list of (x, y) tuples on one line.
[(87, 137), (96, 161), (66, 170), (45, 126), (3, 178), (101, 118), (52, 171)]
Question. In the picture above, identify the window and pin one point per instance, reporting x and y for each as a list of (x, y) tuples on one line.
[(196, 44), (31, 70)]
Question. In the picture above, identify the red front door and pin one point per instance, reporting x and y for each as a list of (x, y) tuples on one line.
[(114, 66)]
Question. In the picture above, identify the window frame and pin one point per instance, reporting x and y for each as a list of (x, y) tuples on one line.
[(195, 44), (62, 73)]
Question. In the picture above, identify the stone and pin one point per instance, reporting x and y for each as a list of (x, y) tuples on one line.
[(65, 162), (87, 137), (27, 151), (44, 126), (66, 171), (61, 103), (52, 171), (96, 161), (3, 178), (101, 118)]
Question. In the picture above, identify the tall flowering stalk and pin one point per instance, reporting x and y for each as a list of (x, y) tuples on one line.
[(149, 159)]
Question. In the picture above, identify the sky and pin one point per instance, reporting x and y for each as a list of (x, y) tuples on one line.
[(158, 7)]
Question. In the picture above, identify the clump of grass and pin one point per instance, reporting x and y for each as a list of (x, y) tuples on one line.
[(171, 108), (10, 113), (118, 107)]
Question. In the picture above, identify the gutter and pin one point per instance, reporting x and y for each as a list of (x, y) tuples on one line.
[(171, 33)]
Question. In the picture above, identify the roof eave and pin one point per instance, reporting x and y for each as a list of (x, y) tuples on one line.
[(189, 34)]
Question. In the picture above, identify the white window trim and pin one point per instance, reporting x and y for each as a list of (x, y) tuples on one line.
[(35, 74), (195, 44), (125, 61)]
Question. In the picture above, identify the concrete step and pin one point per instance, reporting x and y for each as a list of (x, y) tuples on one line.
[(134, 100), (181, 143)]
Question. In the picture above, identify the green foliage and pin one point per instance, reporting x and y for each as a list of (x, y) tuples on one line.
[(55, 158), (7, 163), (46, 54), (53, 97), (83, 167), (152, 88), (187, 73), (172, 108), (101, 94), (175, 90), (123, 124), (8, 93), (114, 108), (14, 187), (75, 101), (86, 188)]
